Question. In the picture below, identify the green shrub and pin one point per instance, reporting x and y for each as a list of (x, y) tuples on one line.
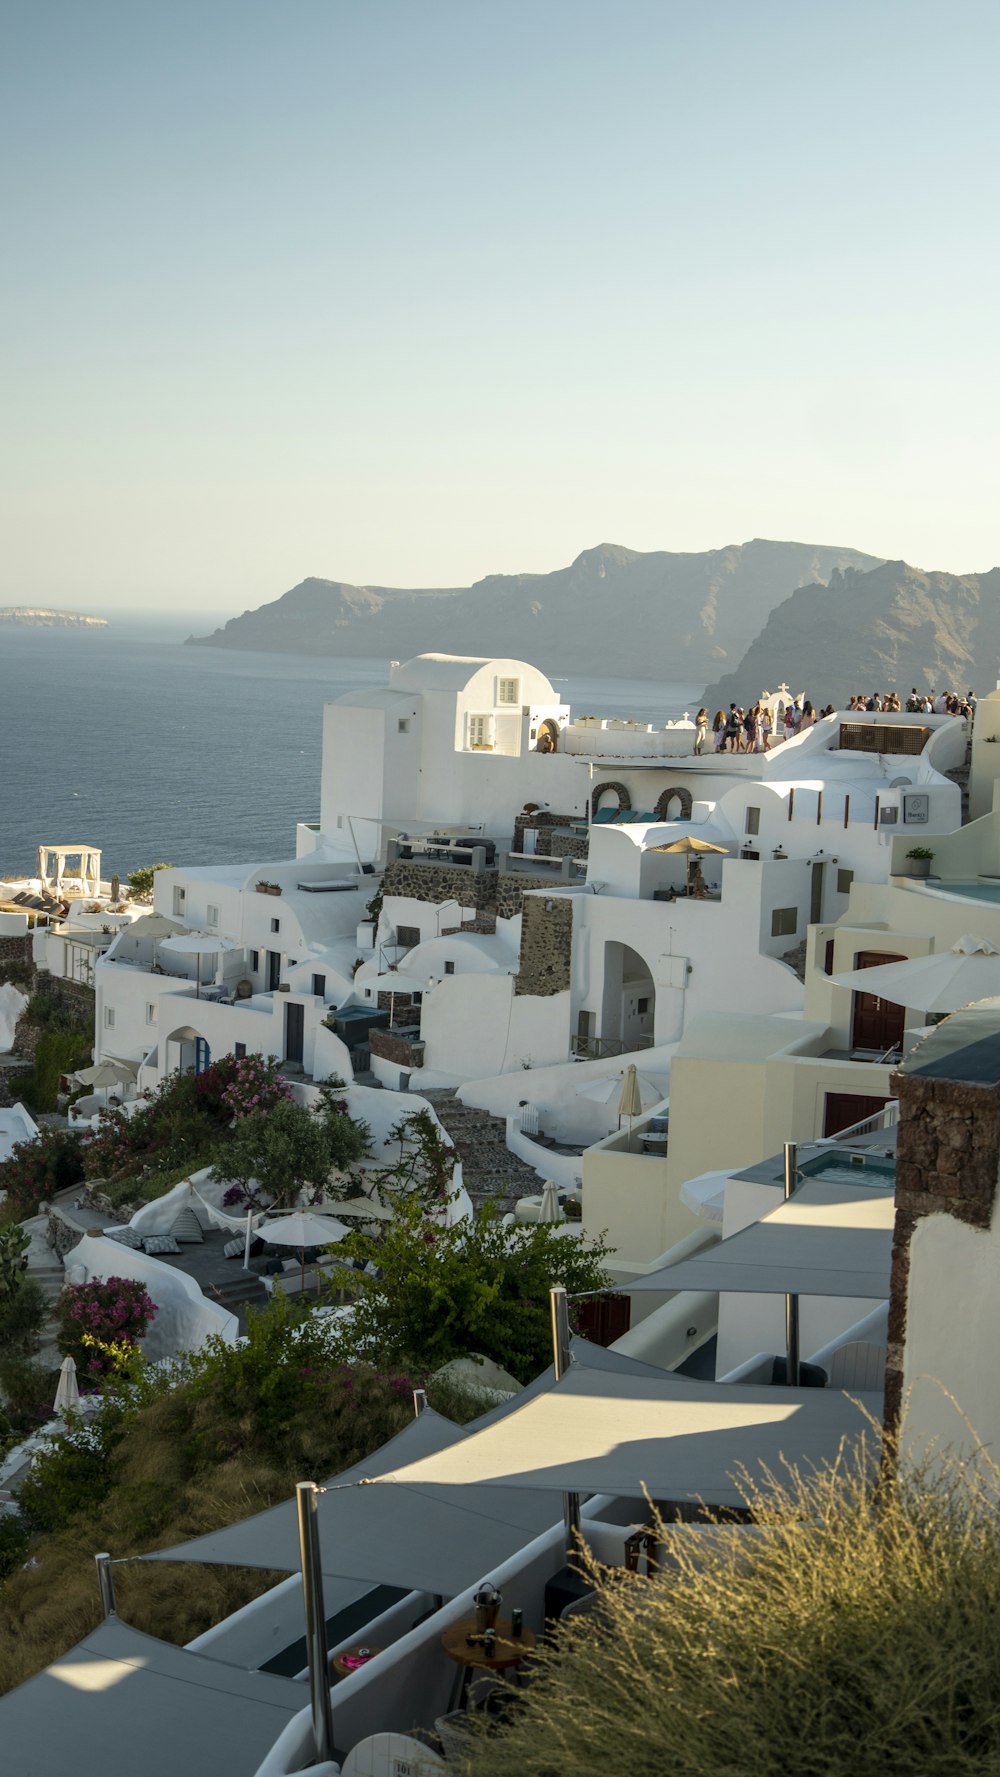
[(98, 1321), (22, 1316), (475, 1287), (140, 882), (59, 1051), (13, 1543), (28, 1390)]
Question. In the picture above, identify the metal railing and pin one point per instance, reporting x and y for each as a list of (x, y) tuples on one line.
[(886, 1118), (596, 1048)]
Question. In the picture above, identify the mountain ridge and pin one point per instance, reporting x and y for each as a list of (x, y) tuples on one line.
[(613, 611)]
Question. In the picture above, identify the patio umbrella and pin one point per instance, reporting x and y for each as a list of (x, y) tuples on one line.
[(67, 1393), (941, 982), (629, 1099), (705, 1195), (198, 944), (549, 1210), (690, 844), (106, 1073), (302, 1228), (610, 1086)]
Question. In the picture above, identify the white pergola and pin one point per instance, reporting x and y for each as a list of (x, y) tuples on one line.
[(52, 867)]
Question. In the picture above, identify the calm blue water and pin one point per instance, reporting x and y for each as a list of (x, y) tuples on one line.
[(156, 752)]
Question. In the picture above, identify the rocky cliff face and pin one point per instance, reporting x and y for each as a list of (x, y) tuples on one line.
[(887, 629), (613, 611)]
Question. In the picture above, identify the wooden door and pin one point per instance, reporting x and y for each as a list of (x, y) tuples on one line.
[(295, 1019), (603, 1319), (843, 1109), (878, 1023), (273, 969)]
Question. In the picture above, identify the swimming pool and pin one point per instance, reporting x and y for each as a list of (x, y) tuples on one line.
[(862, 1169), (970, 891)]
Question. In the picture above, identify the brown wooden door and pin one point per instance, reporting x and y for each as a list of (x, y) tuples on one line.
[(295, 1018), (603, 1319), (878, 1023), (843, 1109)]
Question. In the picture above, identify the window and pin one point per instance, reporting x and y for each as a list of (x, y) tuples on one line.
[(408, 936), (150, 1011), (211, 915), (254, 961), (340, 820), (642, 1007), (179, 899), (753, 820), (508, 691), (828, 958), (275, 925), (449, 968), (403, 725), (784, 922), (479, 731), (319, 986), (109, 1018), (239, 1050), (368, 993), (844, 880)]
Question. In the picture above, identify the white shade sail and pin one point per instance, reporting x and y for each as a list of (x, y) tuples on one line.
[(120, 1702), (827, 1240), (197, 944), (676, 1438), (940, 983)]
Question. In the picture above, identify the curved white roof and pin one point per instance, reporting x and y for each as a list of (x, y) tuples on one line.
[(453, 672)]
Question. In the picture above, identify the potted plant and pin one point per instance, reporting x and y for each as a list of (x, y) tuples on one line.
[(919, 860)]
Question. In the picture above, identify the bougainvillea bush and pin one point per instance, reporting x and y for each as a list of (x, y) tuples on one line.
[(97, 1319), (184, 1117), (36, 1169)]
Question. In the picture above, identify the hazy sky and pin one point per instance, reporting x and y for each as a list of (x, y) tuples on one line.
[(412, 291)]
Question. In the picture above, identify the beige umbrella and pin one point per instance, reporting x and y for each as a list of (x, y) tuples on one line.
[(198, 944), (629, 1099), (302, 1228), (67, 1393), (690, 844), (106, 1073)]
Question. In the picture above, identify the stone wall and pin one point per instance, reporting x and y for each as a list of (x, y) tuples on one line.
[(402, 1012), (947, 1162), (440, 882), (569, 845), (537, 820), (391, 1047), (546, 946), (16, 961)]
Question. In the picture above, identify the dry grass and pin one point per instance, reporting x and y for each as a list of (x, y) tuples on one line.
[(858, 1636)]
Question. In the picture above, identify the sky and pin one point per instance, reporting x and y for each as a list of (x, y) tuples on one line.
[(407, 292)]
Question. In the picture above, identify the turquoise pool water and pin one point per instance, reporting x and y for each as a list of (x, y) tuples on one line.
[(874, 1171), (971, 891)]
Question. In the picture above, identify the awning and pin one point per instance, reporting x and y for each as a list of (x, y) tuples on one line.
[(433, 1539), (120, 1702), (827, 1240), (437, 1540), (677, 1438)]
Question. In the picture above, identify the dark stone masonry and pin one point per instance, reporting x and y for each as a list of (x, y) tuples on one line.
[(546, 946)]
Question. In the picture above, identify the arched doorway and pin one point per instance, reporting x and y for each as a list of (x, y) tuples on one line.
[(186, 1051), (628, 1011), (547, 738)]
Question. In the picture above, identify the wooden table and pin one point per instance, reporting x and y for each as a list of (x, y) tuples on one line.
[(508, 1655), (339, 1664)]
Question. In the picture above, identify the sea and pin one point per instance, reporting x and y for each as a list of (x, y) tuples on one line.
[(126, 740)]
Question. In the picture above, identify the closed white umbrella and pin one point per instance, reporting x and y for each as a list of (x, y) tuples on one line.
[(549, 1210), (302, 1228), (68, 1392), (942, 982)]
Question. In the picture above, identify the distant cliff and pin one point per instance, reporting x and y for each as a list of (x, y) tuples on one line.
[(613, 612), (888, 629), (37, 617)]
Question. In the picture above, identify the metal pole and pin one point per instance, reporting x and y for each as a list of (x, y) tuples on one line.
[(419, 1401), (561, 1362), (106, 1582), (791, 1301), (248, 1241), (306, 1495)]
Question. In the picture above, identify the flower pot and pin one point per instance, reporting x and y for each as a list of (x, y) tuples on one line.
[(919, 866)]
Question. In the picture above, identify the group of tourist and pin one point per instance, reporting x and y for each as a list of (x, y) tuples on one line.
[(755, 730), (926, 703)]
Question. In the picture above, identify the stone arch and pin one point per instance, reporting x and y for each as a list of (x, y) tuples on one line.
[(548, 730), (620, 790), (663, 803)]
